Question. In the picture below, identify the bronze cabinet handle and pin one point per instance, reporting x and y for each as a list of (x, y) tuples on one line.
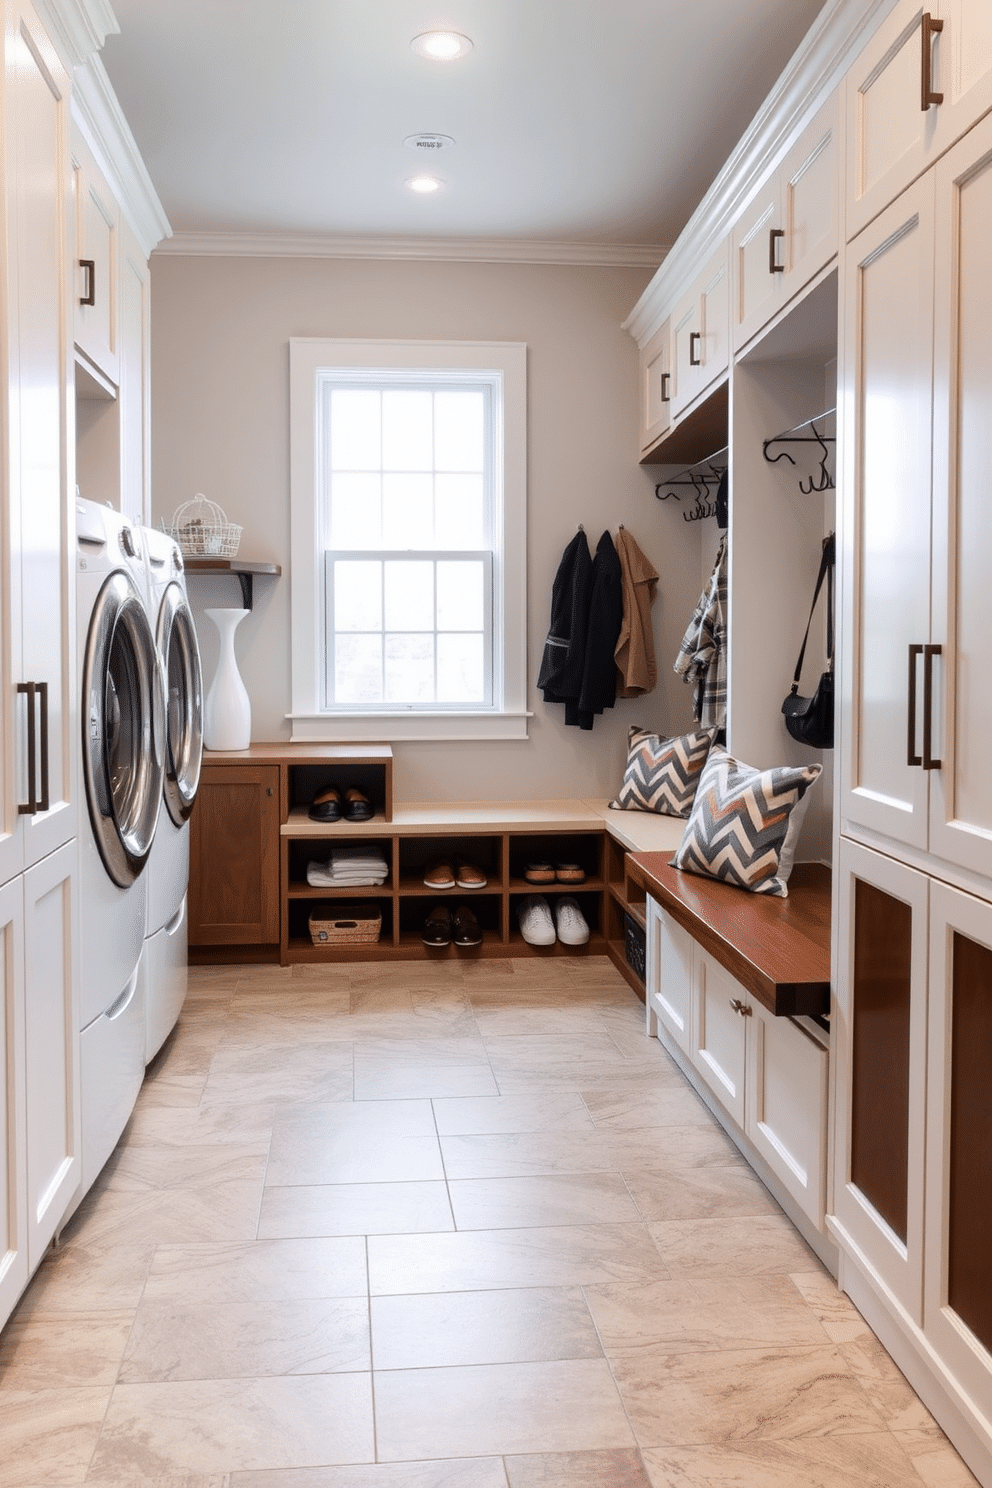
[(694, 338), (88, 266), (29, 807), (42, 690), (929, 652), (930, 26), (666, 378), (740, 1007), (912, 758), (774, 267)]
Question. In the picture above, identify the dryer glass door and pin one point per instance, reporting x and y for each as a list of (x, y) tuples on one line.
[(184, 706)]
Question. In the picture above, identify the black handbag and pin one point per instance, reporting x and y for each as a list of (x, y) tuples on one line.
[(811, 719)]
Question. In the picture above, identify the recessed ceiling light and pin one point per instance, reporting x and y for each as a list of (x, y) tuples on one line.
[(441, 46), (424, 185), (428, 144)]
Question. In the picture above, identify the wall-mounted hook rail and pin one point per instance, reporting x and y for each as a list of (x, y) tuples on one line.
[(699, 478), (821, 433)]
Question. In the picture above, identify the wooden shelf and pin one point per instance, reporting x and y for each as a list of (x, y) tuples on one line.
[(243, 571)]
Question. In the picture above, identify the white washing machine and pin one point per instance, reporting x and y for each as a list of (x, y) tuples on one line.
[(164, 958), (122, 709)]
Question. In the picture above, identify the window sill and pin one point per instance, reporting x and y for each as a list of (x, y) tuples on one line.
[(310, 728)]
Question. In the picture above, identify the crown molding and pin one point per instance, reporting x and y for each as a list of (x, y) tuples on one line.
[(97, 112), (452, 250), (821, 61), (77, 28)]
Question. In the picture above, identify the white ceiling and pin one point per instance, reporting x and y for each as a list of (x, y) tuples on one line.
[(596, 122)]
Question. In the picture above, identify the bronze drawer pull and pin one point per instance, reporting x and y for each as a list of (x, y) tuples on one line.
[(774, 267), (88, 266), (930, 26), (694, 338)]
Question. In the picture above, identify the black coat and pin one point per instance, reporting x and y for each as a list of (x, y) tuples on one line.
[(563, 661), (599, 672)]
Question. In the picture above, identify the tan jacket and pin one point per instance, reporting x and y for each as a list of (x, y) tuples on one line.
[(634, 652)]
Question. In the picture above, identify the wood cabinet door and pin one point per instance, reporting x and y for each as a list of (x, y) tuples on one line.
[(13, 1174), (958, 1302), (95, 278), (786, 1117), (887, 388), (878, 1048), (719, 1034), (961, 789), (234, 857), (656, 386), (51, 1041)]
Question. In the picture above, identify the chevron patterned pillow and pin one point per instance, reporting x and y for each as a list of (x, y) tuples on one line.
[(745, 822), (662, 774)]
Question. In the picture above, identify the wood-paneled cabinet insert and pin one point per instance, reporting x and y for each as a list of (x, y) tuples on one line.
[(790, 230), (922, 81), (234, 856)]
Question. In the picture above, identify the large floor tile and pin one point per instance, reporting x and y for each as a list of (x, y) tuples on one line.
[(517, 1154), (699, 1193), (703, 1314), (168, 1216), (554, 1199), (491, 1115), (731, 1395), (243, 1340), (674, 1104), (80, 1277), (48, 1436), (402, 1081), (759, 1245), (555, 1407), (148, 1169), (230, 1425), (262, 1271), (504, 1327), (475, 1472), (478, 1260), (310, 1071), (353, 1158), (621, 1468), (240, 1125), (934, 1459), (873, 1460), (64, 1349), (355, 1209)]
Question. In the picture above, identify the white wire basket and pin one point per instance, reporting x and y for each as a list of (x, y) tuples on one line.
[(202, 530)]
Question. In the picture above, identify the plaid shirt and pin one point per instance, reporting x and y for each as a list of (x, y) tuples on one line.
[(702, 657)]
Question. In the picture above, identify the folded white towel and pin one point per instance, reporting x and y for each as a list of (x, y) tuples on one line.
[(319, 875)]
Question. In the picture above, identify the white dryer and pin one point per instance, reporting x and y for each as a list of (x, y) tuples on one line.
[(164, 959), (122, 709)]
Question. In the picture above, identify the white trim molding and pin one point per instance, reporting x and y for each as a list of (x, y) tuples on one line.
[(453, 250), (833, 41), (98, 114), (77, 28)]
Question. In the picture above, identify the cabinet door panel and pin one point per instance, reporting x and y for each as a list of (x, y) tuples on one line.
[(757, 285), (962, 67), (13, 1209), (961, 790), (890, 139), (98, 244), (234, 857), (670, 975), (656, 387), (959, 1156), (888, 370), (810, 199), (787, 1106), (52, 1045), (879, 1042), (134, 374), (719, 1035)]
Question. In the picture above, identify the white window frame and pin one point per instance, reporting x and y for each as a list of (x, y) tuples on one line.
[(506, 716)]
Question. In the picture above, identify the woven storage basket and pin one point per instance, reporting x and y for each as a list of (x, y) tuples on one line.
[(345, 924), (202, 530)]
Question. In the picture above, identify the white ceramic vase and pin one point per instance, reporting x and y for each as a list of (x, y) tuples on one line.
[(227, 707)]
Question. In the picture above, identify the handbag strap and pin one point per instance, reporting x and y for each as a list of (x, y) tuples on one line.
[(826, 572)]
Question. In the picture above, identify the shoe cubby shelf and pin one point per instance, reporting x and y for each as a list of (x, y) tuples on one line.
[(498, 838)]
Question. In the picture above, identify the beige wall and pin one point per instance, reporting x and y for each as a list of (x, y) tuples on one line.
[(220, 399)]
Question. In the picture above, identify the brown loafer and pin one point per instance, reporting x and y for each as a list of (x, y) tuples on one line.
[(540, 873), (439, 876), (357, 806), (326, 805), (438, 927), (570, 873), (470, 877)]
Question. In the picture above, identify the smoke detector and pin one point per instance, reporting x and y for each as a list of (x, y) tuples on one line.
[(428, 144)]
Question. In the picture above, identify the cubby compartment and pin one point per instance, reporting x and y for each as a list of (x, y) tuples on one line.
[(583, 848), (418, 854), (301, 945), (589, 902), (304, 850), (306, 780), (486, 904)]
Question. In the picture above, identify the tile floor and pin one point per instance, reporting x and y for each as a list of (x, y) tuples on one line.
[(456, 1226)]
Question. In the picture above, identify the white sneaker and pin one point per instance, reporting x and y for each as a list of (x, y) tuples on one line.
[(570, 923), (536, 925)]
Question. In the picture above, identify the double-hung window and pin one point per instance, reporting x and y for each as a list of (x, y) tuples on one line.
[(408, 513)]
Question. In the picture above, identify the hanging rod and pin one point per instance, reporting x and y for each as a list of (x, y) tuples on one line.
[(701, 473), (823, 480)]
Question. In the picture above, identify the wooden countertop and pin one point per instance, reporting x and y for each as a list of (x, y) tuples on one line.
[(779, 949)]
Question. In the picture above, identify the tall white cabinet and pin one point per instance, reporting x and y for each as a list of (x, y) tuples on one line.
[(38, 893)]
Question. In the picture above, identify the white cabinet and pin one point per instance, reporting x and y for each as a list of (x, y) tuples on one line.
[(790, 230), (13, 1149), (133, 395), (919, 529), (768, 1074), (97, 261), (923, 79), (700, 329), (656, 386), (37, 734)]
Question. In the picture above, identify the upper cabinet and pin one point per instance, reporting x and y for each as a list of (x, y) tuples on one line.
[(656, 387), (700, 333), (96, 278), (920, 83), (790, 230)]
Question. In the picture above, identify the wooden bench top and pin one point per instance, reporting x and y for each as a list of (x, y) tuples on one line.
[(779, 949)]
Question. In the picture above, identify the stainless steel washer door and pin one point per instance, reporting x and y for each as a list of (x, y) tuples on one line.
[(180, 656), (123, 729)]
